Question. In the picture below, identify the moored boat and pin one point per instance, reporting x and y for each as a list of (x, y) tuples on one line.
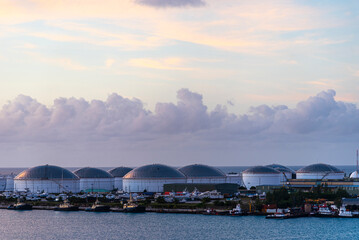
[(345, 213), (20, 206), (97, 207), (132, 207), (324, 211), (66, 206), (237, 211), (212, 211), (277, 216)]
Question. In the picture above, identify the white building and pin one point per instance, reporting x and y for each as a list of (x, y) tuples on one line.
[(198, 173), (47, 178), (151, 178), (95, 180), (118, 174), (320, 171), (261, 176)]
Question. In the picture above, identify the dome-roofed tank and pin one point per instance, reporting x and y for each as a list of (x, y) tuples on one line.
[(286, 171), (118, 174), (280, 168), (95, 180), (154, 171), (260, 175), (320, 171), (261, 169), (89, 172), (199, 173), (319, 167), (47, 178), (46, 172), (199, 170), (151, 178), (354, 174), (119, 171)]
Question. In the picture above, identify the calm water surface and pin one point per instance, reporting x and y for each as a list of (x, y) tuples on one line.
[(39, 224)]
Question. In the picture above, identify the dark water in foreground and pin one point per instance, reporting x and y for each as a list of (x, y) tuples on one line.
[(40, 224)]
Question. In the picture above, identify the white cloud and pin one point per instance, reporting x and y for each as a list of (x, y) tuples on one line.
[(171, 3), (164, 64), (117, 117)]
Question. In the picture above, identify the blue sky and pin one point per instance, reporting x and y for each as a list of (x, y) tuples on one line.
[(236, 54)]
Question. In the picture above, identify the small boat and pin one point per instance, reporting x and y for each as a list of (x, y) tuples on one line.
[(20, 206), (212, 211), (66, 206), (277, 216), (344, 213), (324, 211), (237, 211), (132, 207), (97, 207)]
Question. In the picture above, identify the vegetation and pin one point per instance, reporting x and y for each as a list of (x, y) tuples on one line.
[(283, 198)]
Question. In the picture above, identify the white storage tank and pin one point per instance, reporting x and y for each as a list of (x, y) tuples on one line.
[(261, 176), (9, 184), (354, 174), (151, 178), (47, 178), (118, 174), (2, 183), (235, 178), (95, 180), (320, 171), (198, 173), (287, 173)]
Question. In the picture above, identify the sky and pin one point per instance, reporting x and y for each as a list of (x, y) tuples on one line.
[(223, 83)]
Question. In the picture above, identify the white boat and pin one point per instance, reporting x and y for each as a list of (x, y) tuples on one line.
[(344, 213), (324, 211), (236, 211)]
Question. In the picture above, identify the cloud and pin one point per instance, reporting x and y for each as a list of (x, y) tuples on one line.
[(66, 63), (120, 130), (109, 62), (165, 64), (24, 118), (171, 3), (251, 27)]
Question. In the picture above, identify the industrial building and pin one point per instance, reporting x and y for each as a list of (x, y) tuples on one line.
[(47, 178), (151, 178), (198, 173), (319, 171), (260, 175), (95, 180), (118, 174)]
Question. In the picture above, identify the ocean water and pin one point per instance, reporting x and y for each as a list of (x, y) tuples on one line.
[(40, 224)]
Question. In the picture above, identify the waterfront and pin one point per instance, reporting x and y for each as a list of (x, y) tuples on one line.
[(38, 224)]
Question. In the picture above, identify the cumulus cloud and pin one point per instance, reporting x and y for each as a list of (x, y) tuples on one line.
[(171, 3), (24, 118)]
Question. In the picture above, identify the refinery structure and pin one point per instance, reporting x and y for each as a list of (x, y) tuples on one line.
[(158, 177)]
